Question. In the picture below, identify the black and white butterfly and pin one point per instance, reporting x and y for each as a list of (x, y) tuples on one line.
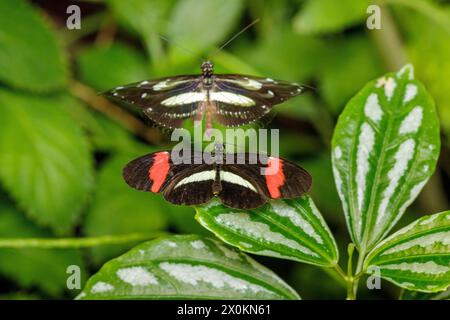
[(239, 183), (229, 99)]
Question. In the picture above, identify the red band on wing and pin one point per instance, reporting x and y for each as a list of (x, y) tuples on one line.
[(275, 178), (157, 173)]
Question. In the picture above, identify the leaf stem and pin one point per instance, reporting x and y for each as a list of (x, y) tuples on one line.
[(62, 243)]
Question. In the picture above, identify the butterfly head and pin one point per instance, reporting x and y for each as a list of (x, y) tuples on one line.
[(207, 69)]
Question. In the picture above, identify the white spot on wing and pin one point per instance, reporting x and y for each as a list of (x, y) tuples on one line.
[(198, 176), (231, 98), (412, 121), (136, 276), (143, 83), (236, 179), (184, 98)]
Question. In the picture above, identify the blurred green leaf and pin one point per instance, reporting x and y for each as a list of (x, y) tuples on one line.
[(385, 148), (119, 209), (185, 267), (30, 57), (300, 59), (44, 158), (288, 229), (104, 133), (44, 268), (417, 257), (201, 24), (108, 67), (349, 65), (143, 16), (328, 16)]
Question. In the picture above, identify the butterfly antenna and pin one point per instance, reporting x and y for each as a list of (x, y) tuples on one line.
[(236, 35), (172, 42)]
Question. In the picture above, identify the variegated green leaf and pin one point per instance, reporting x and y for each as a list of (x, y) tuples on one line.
[(417, 295), (385, 147), (185, 267), (416, 257), (289, 229)]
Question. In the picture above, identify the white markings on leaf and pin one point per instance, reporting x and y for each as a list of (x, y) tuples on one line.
[(389, 88), (402, 157), (283, 210), (412, 196), (170, 244), (429, 220), (425, 242), (339, 188), (242, 223), (372, 108), (101, 287), (198, 244), (412, 121), (136, 276), (429, 267), (198, 176), (194, 274), (232, 98), (337, 153), (365, 147), (229, 253), (231, 177), (184, 98), (411, 92), (409, 69)]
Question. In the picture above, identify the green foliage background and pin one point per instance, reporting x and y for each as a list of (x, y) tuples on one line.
[(62, 147)]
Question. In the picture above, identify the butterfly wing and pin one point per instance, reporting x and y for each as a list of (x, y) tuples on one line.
[(241, 100), (279, 178), (192, 187), (241, 187), (166, 101), (181, 183)]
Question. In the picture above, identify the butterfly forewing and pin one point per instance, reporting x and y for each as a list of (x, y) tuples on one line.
[(166, 101), (241, 100)]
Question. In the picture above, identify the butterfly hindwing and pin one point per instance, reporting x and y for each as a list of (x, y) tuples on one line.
[(240, 188), (193, 187)]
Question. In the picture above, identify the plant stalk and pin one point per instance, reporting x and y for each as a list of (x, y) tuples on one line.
[(63, 243)]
